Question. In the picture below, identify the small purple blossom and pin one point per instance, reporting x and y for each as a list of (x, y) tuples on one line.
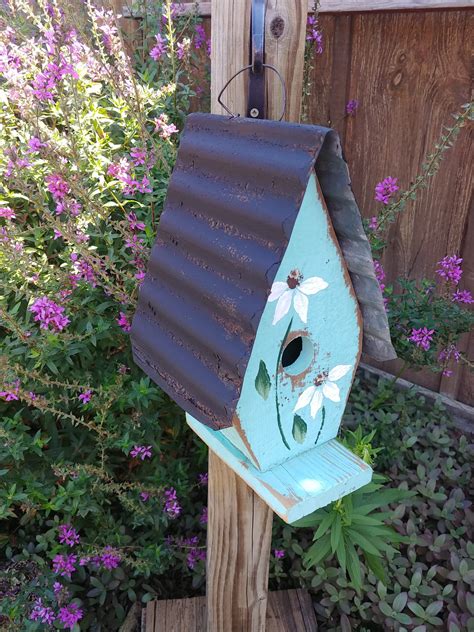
[(57, 233), (450, 269), (67, 534), (138, 156), (70, 615), (451, 352), (57, 186), (165, 129), (203, 517), (10, 394), (64, 565), (279, 554), (7, 213), (49, 314), (144, 496), (133, 222), (203, 479), (422, 337), (141, 451), (314, 35), (373, 223), (123, 322), (109, 558), (462, 296), (385, 189), (85, 397), (352, 106), (195, 555), (159, 49), (199, 37), (41, 613), (172, 506), (34, 145)]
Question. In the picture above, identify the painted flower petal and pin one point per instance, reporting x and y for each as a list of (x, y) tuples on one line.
[(283, 305), (304, 398), (300, 301), (277, 290), (338, 371), (316, 403), (331, 391), (313, 285)]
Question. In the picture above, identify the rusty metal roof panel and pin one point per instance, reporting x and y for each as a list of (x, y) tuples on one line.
[(232, 203)]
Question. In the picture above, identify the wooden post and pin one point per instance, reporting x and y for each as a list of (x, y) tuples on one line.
[(240, 523)]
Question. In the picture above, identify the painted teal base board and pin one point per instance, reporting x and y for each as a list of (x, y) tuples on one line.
[(301, 484)]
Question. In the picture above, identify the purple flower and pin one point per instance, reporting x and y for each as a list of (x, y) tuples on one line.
[(10, 393), (85, 397), (352, 107), (34, 145), (123, 322), (385, 189), (199, 37), (172, 506), (422, 337), (159, 49), (450, 352), (7, 213), (64, 565), (133, 222), (49, 314), (138, 156), (373, 223), (67, 534), (194, 556), (144, 496), (110, 558), (141, 451), (119, 170), (462, 296), (70, 615), (203, 479), (314, 35), (57, 233), (450, 269), (203, 517), (42, 613), (165, 129), (279, 554), (57, 186)]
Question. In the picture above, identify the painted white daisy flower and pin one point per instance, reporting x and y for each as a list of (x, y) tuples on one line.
[(323, 386), (296, 290)]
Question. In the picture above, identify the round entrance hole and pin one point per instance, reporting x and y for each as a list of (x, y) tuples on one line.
[(297, 355)]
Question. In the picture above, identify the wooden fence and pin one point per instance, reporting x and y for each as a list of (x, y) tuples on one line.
[(409, 70)]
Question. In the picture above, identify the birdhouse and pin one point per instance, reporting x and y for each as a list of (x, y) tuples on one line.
[(259, 297)]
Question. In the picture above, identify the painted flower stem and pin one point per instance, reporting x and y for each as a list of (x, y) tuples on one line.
[(323, 419), (285, 442)]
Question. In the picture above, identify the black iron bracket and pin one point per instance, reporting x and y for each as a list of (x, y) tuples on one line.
[(256, 104)]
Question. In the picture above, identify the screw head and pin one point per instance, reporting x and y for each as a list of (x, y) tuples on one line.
[(254, 112)]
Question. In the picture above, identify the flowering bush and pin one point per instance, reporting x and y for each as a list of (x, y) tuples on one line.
[(86, 149)]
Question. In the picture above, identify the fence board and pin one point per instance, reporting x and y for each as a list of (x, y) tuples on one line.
[(409, 71)]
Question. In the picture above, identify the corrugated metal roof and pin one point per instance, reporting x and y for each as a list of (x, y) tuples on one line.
[(232, 202)]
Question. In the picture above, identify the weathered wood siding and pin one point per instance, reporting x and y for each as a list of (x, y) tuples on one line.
[(409, 70)]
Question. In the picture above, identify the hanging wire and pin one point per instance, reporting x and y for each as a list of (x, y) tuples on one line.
[(249, 67)]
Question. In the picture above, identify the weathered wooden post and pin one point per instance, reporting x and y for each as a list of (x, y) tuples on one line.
[(259, 296), (240, 522)]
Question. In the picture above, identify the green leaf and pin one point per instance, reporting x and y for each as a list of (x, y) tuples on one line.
[(325, 524), (376, 567), (353, 566), (336, 533), (341, 553), (417, 609), (318, 551), (400, 601), (299, 429), (262, 381)]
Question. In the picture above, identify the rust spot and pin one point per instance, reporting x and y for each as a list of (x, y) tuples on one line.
[(277, 27), (240, 431), (297, 381)]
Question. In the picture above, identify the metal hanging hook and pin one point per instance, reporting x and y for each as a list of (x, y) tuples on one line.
[(256, 103)]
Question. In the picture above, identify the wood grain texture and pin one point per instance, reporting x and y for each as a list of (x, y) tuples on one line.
[(288, 611), (409, 71), (238, 550), (345, 6)]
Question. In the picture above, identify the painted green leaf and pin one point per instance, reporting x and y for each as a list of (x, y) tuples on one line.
[(262, 381), (299, 429)]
